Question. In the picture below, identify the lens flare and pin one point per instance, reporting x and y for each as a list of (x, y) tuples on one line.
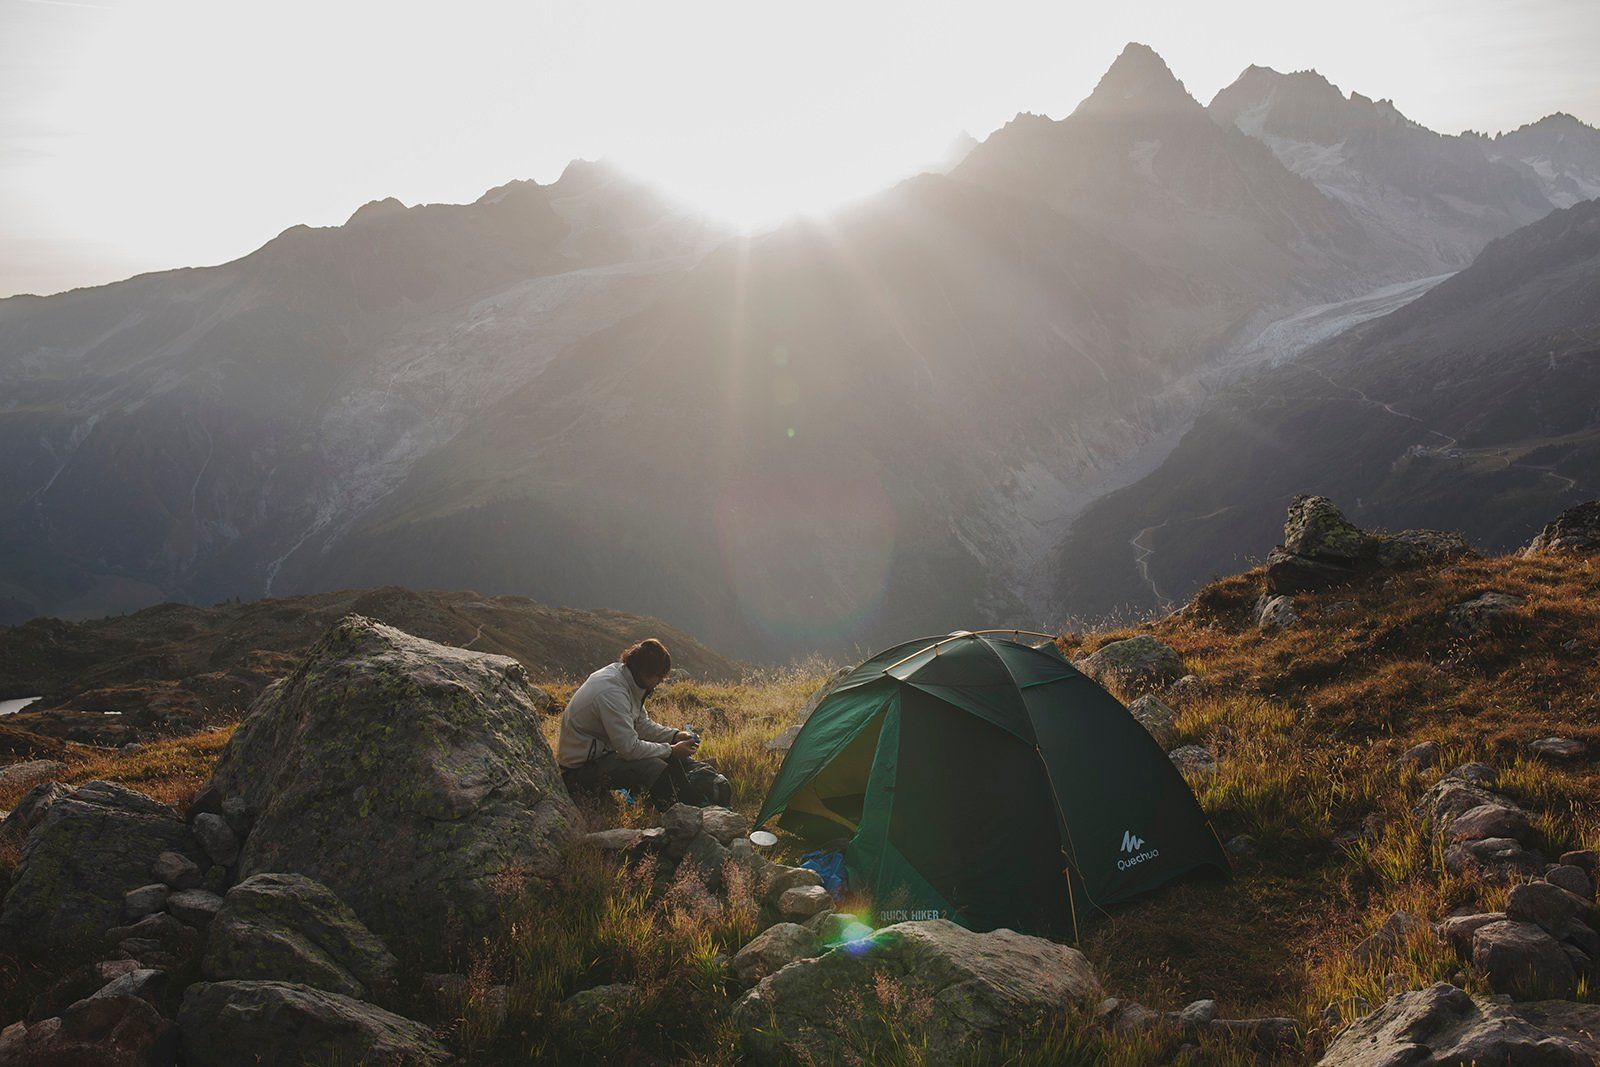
[(807, 558)]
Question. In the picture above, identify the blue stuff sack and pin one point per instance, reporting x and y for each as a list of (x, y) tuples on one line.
[(830, 867)]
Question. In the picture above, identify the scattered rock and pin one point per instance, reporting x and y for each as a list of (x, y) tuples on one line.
[(30, 810), (78, 983), (1498, 858), (1195, 761), (1185, 689), (280, 1023), (146, 983), (436, 752), (290, 928), (1548, 905), (1457, 930), (682, 824), (146, 900), (158, 941), (1522, 960), (620, 839), (1571, 878), (967, 993), (1157, 718), (1417, 548), (775, 947), (176, 870), (195, 907), (218, 838), (1387, 939), (1558, 749), (1585, 859), (724, 824), (29, 773), (600, 1008), (802, 902), (1241, 845), (1575, 530), (1443, 1025), (781, 879), (1424, 755), (1484, 613), (91, 846), (706, 858), (1133, 663), (109, 1031), (1491, 820), (1277, 613)]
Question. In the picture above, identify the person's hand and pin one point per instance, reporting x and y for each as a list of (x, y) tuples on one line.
[(682, 735), (684, 749)]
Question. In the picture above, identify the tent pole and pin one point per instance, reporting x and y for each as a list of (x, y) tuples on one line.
[(959, 636)]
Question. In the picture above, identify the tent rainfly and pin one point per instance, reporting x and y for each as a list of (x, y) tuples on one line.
[(980, 779)]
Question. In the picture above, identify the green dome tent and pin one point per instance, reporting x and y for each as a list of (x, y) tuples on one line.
[(980, 779)]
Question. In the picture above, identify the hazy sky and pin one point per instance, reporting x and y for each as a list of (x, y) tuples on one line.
[(141, 134)]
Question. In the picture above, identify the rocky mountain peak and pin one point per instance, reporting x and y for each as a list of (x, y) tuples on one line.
[(1138, 83), (374, 210)]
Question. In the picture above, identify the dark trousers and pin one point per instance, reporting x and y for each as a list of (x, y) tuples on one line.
[(661, 778)]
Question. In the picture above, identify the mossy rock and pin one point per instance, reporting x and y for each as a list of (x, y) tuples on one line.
[(410, 778), (90, 847)]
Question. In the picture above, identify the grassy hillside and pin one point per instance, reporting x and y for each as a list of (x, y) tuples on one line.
[(1306, 723)]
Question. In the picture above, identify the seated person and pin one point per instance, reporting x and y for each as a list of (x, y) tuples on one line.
[(608, 741)]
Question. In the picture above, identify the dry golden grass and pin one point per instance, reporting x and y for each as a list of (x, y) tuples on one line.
[(1306, 724)]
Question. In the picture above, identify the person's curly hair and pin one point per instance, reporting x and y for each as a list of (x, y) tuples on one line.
[(647, 659)]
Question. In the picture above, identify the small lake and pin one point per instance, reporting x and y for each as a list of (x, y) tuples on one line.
[(9, 706)]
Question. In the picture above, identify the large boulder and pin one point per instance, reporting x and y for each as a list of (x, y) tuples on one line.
[(1443, 1025), (1575, 530), (289, 928), (962, 996), (278, 1023), (1133, 663), (90, 847), (411, 778)]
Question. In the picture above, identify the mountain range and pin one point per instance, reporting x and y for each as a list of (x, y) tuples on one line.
[(894, 418)]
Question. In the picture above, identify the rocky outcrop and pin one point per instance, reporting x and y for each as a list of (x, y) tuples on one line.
[(1134, 663), (964, 995), (90, 847), (289, 928), (1443, 1025), (1322, 548), (408, 777), (1575, 530), (280, 1024)]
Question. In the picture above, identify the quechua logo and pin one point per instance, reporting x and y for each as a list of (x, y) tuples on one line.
[(1134, 852)]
